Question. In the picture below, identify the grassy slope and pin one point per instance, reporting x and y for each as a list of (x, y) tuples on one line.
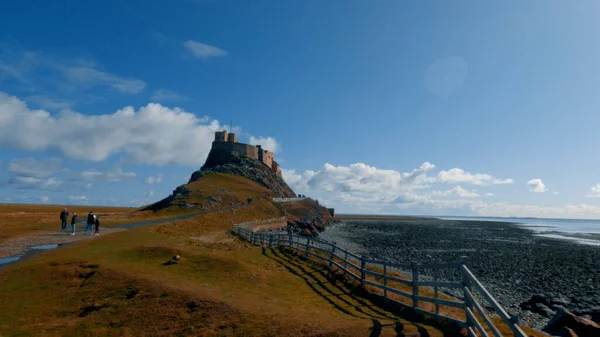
[(117, 285), (16, 219), (219, 190)]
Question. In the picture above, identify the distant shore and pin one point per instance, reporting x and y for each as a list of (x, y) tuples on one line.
[(512, 261)]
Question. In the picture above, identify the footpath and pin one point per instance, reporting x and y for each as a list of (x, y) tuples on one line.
[(22, 247)]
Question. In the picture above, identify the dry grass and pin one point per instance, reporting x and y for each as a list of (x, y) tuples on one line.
[(118, 285), (18, 219), (219, 221), (298, 210), (220, 190)]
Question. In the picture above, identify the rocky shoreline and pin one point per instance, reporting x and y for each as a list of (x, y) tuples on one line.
[(531, 276)]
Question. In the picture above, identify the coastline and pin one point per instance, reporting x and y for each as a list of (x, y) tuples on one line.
[(512, 261)]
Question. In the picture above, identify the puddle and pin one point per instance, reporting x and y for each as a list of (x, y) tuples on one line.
[(44, 247), (10, 259)]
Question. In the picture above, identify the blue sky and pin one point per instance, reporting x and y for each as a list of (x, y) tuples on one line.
[(428, 107)]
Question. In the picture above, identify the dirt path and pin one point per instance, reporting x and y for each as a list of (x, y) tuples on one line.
[(20, 244)]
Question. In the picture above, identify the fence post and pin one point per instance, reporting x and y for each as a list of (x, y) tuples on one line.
[(290, 243), (331, 261), (415, 284), (346, 260), (270, 240), (252, 237), (307, 244), (435, 291), (362, 270), (468, 303), (384, 280)]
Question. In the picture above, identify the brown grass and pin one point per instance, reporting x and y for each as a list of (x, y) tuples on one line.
[(219, 221), (227, 189), (119, 285), (19, 219)]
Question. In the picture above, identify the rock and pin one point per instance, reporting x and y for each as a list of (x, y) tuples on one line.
[(580, 326), (565, 332), (539, 298), (560, 300), (542, 309)]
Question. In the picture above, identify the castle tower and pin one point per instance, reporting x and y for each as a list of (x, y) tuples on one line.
[(221, 136), (232, 138)]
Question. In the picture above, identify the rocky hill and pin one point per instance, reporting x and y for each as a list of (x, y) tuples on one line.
[(226, 179), (234, 163)]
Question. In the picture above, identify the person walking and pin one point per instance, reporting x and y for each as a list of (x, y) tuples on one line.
[(73, 221), (97, 232), (91, 219), (64, 217)]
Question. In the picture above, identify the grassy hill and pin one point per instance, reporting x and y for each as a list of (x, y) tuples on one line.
[(216, 190)]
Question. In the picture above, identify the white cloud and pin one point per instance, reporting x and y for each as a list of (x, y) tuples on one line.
[(78, 198), (111, 176), (154, 179), (154, 134), (150, 194), (536, 185), (49, 102), (89, 186), (203, 51), (88, 77), (23, 182), (37, 70), (39, 168), (267, 143), (456, 192), (595, 191), (363, 188), (164, 95), (457, 175), (357, 178), (44, 199)]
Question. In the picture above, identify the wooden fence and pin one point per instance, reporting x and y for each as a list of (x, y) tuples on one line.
[(407, 284), (288, 199)]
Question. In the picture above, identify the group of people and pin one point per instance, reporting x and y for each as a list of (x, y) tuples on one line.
[(92, 221)]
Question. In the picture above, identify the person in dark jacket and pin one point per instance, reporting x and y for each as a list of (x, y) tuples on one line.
[(64, 216), (73, 221), (97, 232), (91, 219)]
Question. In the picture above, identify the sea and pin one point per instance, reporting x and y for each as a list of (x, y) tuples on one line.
[(580, 230)]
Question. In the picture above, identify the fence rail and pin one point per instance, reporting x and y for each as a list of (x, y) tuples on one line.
[(401, 282), (288, 199)]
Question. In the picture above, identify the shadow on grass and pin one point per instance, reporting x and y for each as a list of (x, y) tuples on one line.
[(340, 297)]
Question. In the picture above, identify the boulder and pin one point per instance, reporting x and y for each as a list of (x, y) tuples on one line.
[(580, 326)]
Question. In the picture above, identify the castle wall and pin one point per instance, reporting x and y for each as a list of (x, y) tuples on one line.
[(226, 142), (232, 138), (275, 168), (221, 136), (268, 158)]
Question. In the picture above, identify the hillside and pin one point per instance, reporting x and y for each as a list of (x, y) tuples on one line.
[(209, 191), (222, 161)]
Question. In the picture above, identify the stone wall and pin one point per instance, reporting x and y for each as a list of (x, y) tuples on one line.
[(227, 142)]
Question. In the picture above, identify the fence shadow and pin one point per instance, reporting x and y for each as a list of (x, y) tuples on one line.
[(343, 299)]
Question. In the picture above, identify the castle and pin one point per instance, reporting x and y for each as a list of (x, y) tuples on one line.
[(225, 141)]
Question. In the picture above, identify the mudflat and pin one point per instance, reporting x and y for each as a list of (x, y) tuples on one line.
[(531, 276)]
